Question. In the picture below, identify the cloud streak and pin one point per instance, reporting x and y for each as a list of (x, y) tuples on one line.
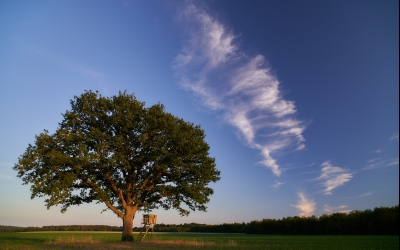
[(333, 177), (381, 163), (97, 76), (277, 184), (5, 177), (340, 209), (242, 89), (305, 206), (359, 196)]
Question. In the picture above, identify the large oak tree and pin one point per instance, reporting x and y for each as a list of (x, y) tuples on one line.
[(116, 151)]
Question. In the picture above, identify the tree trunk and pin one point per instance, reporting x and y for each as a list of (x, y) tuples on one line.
[(127, 234)]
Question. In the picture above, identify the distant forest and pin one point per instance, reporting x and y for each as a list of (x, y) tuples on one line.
[(380, 221), (61, 228)]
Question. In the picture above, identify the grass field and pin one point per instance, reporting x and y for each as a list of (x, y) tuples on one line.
[(106, 240)]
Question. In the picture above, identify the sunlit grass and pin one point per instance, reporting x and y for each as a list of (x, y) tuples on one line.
[(172, 241)]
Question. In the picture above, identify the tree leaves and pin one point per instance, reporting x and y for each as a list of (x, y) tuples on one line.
[(116, 151)]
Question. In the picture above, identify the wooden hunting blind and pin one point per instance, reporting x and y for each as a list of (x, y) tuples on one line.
[(149, 219), (148, 222)]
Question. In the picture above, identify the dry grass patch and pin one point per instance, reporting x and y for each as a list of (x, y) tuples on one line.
[(194, 242), (72, 240), (232, 243), (180, 242)]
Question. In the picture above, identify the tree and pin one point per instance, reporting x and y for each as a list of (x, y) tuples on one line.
[(114, 150)]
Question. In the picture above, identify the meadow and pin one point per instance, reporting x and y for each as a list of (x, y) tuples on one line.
[(110, 240)]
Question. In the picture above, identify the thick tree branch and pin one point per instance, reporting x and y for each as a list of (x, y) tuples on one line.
[(115, 210)]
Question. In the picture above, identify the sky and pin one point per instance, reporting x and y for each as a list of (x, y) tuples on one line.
[(299, 100)]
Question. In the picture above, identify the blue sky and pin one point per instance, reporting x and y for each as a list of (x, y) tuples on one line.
[(299, 99)]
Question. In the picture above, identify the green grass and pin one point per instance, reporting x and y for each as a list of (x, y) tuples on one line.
[(107, 240)]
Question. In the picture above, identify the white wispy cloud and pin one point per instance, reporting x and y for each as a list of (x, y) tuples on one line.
[(373, 160), (210, 42), (340, 209), (83, 70), (392, 162), (359, 196), (305, 206), (381, 163), (6, 164), (277, 184), (395, 136), (373, 165), (332, 177), (241, 88), (5, 177)]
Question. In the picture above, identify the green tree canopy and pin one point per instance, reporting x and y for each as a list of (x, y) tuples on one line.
[(114, 150)]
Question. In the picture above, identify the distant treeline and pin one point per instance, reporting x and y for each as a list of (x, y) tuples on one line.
[(61, 228), (204, 228), (379, 221), (369, 222)]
